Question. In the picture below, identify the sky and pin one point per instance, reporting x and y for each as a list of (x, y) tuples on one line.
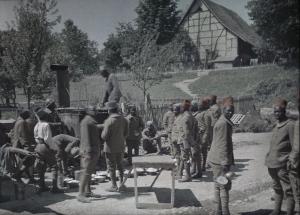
[(99, 18)]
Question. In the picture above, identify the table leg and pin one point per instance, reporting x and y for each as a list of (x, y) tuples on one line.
[(135, 186), (173, 187)]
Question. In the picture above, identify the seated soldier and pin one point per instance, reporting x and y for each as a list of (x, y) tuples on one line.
[(68, 147), (150, 140), (15, 161)]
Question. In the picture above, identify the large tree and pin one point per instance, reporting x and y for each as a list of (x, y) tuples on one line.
[(26, 43), (158, 17), (81, 53), (278, 23)]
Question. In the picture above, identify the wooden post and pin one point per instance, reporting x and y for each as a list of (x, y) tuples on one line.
[(62, 84)]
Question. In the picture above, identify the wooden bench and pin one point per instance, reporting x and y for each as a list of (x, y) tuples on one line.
[(162, 163)]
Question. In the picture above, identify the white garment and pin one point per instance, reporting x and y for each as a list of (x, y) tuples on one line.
[(42, 131)]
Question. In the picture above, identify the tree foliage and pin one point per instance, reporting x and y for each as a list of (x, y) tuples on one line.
[(26, 44), (83, 55), (278, 23), (158, 17)]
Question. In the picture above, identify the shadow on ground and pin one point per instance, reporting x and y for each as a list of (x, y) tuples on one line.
[(240, 165), (35, 205), (257, 212)]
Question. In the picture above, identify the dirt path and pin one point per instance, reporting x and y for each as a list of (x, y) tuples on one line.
[(184, 85), (250, 192)]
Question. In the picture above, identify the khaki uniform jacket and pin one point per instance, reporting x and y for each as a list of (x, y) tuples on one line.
[(281, 145), (295, 153), (175, 129), (187, 130), (221, 151), (204, 122), (168, 121), (135, 126), (214, 112), (112, 89), (22, 134), (90, 136), (115, 131)]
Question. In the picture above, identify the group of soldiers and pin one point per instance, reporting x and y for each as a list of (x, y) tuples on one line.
[(199, 135)]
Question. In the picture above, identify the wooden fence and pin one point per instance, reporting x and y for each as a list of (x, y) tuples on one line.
[(159, 107)]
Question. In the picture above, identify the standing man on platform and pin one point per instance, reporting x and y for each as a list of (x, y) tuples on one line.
[(168, 120), (220, 156), (90, 152), (115, 131), (112, 88), (277, 158), (136, 126)]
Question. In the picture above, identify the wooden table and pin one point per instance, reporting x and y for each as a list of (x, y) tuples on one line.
[(162, 163)]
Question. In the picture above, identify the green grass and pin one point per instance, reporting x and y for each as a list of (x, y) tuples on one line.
[(91, 88), (263, 82)]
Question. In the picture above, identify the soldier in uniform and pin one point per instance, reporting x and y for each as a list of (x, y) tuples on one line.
[(89, 152), (68, 146), (112, 89), (277, 158), (294, 165), (175, 137), (168, 120), (22, 135), (150, 140), (46, 151), (187, 138), (214, 113), (115, 131), (196, 149), (220, 156), (54, 120), (204, 123), (136, 126)]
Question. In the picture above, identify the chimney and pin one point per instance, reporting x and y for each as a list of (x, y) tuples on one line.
[(62, 84)]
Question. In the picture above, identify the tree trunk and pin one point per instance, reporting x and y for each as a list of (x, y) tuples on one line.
[(28, 97)]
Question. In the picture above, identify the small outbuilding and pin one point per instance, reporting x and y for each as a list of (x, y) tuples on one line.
[(222, 37)]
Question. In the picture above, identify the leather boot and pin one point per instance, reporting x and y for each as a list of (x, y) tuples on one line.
[(278, 202), (113, 178), (218, 209), (224, 194), (55, 189), (290, 206), (187, 176)]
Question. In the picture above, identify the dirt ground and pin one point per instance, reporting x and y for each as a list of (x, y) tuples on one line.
[(250, 193)]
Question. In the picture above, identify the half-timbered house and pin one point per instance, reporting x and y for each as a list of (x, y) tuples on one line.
[(221, 36)]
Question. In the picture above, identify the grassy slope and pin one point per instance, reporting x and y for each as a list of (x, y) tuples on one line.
[(92, 87), (264, 82)]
